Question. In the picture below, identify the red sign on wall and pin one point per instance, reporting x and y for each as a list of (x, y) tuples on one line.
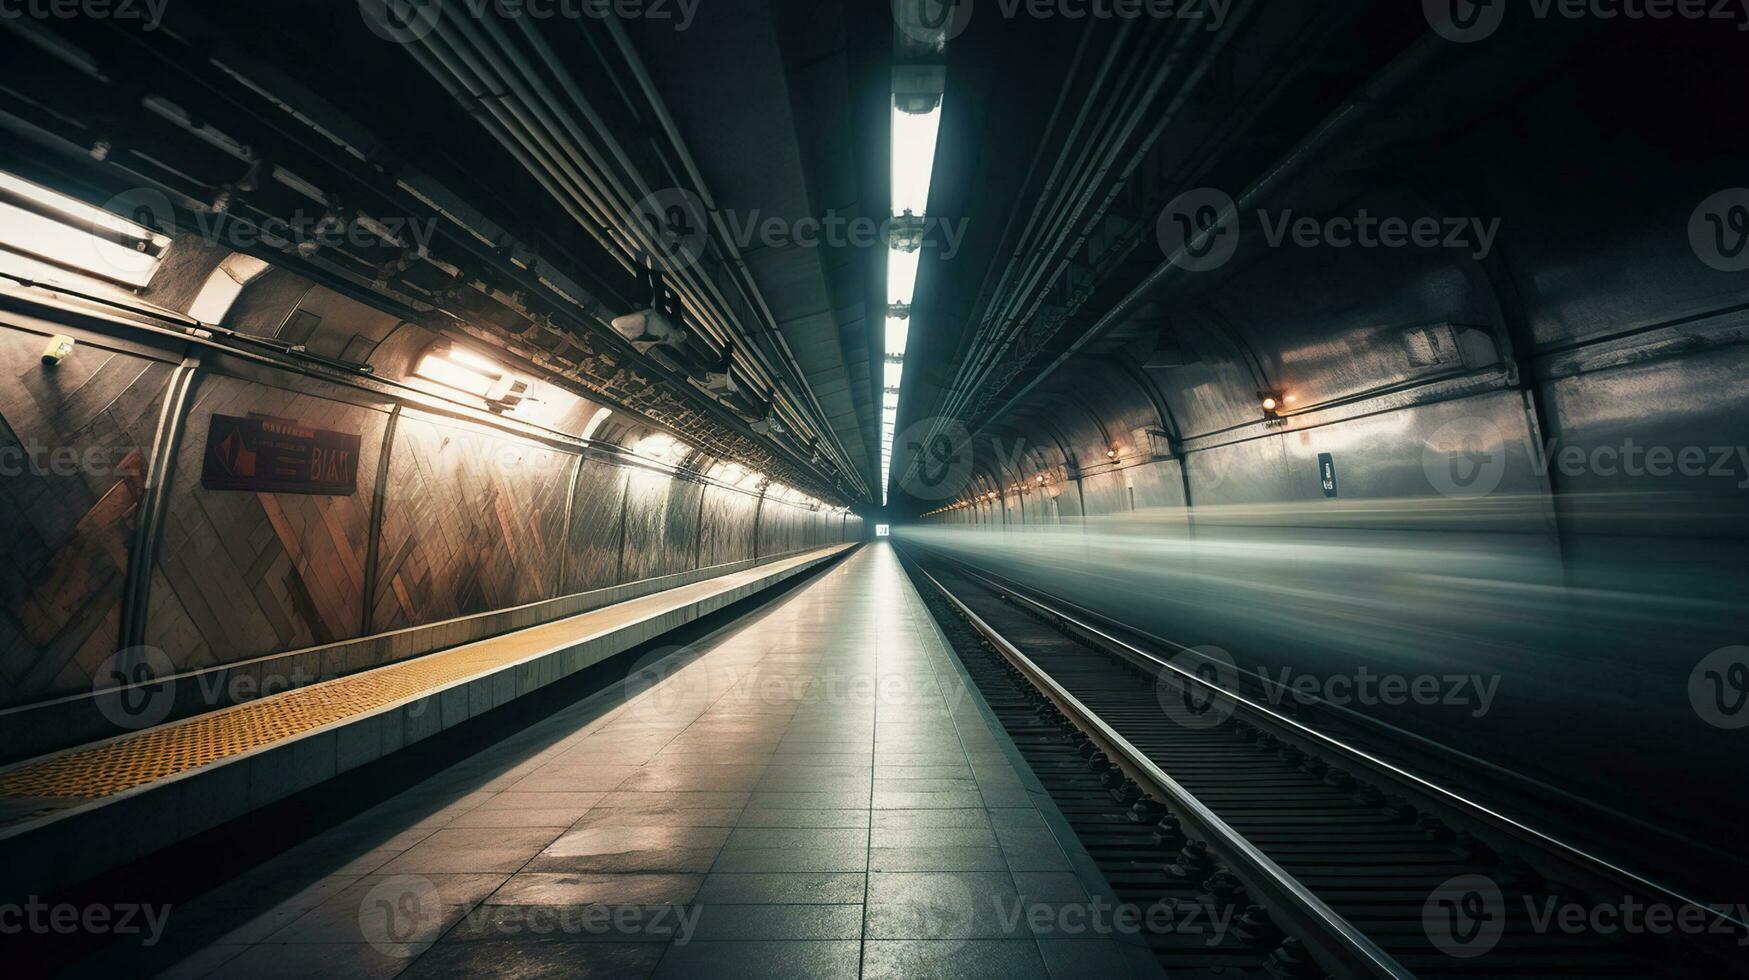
[(269, 455)]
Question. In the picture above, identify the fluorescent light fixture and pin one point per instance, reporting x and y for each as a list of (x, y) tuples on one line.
[(75, 209), (898, 335), (914, 139), (902, 275), (478, 362), (48, 233), (661, 446), (438, 367)]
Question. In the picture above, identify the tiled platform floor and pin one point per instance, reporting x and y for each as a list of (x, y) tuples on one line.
[(813, 792)]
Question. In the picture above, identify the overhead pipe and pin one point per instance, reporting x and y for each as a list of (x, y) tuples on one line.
[(539, 156), (1173, 57), (985, 352), (763, 369), (660, 108), (455, 83), (702, 307), (1333, 126)]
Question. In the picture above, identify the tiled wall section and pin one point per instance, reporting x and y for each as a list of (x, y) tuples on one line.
[(727, 535), (592, 561), (245, 574), (474, 521), (66, 526)]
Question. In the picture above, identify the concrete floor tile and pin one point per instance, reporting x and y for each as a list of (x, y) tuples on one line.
[(796, 837), (550, 888), (953, 960), (778, 859), (744, 922), (794, 888), (472, 850), (535, 959), (769, 960)]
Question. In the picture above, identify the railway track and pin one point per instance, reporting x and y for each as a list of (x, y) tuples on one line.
[(1257, 851)]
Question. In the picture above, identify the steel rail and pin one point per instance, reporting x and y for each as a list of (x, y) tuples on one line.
[(1337, 943), (1570, 852)]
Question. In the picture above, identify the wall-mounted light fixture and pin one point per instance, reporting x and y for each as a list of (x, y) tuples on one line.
[(662, 447), (59, 349), (462, 370), (1275, 403)]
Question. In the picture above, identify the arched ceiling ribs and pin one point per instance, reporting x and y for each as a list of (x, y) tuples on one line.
[(1069, 407), (1133, 372), (1025, 420)]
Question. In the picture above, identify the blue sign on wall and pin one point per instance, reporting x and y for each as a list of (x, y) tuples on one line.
[(1327, 473)]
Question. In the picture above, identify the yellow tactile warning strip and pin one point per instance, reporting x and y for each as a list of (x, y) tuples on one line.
[(157, 753)]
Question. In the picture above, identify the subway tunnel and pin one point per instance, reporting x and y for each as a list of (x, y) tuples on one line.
[(885, 488)]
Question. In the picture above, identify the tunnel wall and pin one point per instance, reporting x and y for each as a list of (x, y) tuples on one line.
[(481, 526), (1480, 410), (1594, 322)]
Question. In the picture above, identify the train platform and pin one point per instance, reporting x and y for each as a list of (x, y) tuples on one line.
[(814, 791), (85, 811)]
